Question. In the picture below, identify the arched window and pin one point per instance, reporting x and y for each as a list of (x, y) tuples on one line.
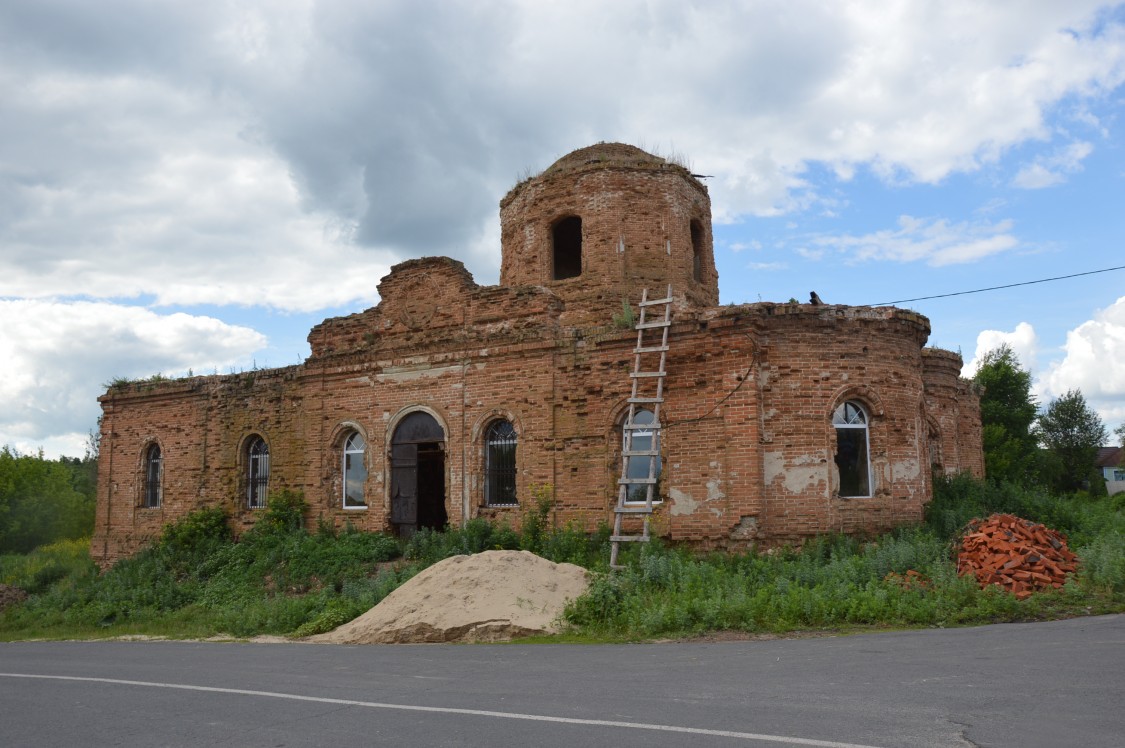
[(696, 251), (852, 450), (257, 472), (642, 455), (153, 478), (500, 464), (354, 471), (566, 243)]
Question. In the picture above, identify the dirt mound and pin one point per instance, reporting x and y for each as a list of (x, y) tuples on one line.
[(486, 597), (1019, 555)]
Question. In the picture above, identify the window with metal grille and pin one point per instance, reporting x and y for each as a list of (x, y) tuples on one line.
[(354, 472), (153, 478), (644, 440), (500, 464), (257, 473), (852, 450)]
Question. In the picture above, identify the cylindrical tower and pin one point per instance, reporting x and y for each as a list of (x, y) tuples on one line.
[(605, 221)]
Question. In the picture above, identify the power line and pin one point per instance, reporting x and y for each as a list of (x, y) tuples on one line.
[(996, 288)]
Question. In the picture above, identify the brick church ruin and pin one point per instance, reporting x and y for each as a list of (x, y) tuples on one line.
[(449, 400)]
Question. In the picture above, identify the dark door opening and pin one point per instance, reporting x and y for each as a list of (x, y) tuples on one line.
[(418, 475), (431, 486)]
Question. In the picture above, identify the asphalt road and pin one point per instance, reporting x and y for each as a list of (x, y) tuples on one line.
[(1045, 684)]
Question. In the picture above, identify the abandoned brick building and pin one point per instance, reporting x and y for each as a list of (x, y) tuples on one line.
[(450, 400)]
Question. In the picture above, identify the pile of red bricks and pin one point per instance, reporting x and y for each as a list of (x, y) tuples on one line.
[(1019, 555)]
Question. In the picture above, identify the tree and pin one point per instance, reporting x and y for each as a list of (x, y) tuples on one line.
[(1072, 432), (42, 500), (1007, 410), (1119, 432)]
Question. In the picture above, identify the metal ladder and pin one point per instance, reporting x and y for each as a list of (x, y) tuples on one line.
[(648, 390)]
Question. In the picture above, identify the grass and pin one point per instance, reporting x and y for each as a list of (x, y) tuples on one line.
[(283, 580), (842, 582)]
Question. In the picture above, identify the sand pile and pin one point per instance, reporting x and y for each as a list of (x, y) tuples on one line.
[(486, 597)]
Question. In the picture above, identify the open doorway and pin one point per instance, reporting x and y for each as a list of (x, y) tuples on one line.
[(418, 475)]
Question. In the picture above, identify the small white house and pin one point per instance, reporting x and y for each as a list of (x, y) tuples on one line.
[(1111, 462)]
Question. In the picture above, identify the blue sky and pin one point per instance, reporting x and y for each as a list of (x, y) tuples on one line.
[(193, 186)]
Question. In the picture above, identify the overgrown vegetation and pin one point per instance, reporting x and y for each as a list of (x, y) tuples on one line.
[(1056, 447), (840, 581), (278, 578), (282, 579), (42, 501)]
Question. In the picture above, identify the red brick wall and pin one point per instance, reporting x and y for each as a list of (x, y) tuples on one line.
[(953, 412), (748, 448)]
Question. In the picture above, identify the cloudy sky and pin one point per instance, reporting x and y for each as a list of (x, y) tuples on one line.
[(193, 185)]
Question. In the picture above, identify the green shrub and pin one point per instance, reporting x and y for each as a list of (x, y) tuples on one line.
[(285, 512)]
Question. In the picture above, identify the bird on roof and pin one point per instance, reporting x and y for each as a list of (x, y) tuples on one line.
[(814, 299)]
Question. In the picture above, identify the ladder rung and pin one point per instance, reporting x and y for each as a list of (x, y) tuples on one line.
[(633, 509), (651, 349), (641, 400), (652, 325), (641, 426), (638, 374), (637, 481), (628, 539), (657, 302)]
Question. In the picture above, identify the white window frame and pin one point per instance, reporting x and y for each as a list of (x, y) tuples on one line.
[(845, 419), (360, 452), (654, 439)]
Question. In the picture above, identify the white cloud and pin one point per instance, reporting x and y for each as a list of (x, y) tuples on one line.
[(1094, 362), (217, 133), (767, 266), (1023, 341), (934, 241), (55, 358), (285, 153), (1052, 169), (736, 247)]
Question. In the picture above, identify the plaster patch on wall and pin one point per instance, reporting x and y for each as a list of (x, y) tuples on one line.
[(683, 504), (746, 529), (905, 470), (795, 479), (713, 492), (410, 375), (774, 465)]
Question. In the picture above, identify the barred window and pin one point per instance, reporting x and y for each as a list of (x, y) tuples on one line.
[(354, 472), (257, 473), (153, 477), (500, 464), (852, 450)]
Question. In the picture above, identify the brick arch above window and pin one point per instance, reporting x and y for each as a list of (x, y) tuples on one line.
[(343, 429), (409, 410), (485, 420), (862, 393)]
